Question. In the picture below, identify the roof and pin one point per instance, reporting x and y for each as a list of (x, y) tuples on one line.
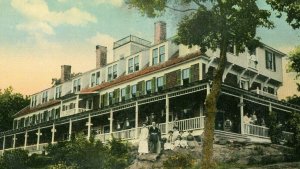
[(148, 70), (28, 110)]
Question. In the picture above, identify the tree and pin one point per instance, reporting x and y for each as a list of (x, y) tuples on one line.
[(293, 100), (290, 7), (10, 104), (294, 63), (212, 24)]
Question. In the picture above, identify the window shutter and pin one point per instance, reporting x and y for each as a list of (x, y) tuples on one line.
[(178, 78), (142, 92), (117, 98), (127, 95), (194, 73), (153, 85), (274, 62), (164, 82), (105, 99)]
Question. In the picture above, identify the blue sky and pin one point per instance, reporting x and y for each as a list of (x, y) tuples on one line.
[(37, 36)]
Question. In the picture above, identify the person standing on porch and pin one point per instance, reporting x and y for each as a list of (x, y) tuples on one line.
[(143, 144), (253, 118), (154, 138), (246, 121)]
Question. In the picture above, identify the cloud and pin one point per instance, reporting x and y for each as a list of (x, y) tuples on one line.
[(38, 10), (117, 3), (36, 27), (103, 40)]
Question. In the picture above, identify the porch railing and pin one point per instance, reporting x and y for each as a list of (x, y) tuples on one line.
[(188, 124), (256, 130), (125, 134)]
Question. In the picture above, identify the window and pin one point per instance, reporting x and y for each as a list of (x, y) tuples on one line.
[(148, 86), (155, 56), (33, 100), (109, 74), (58, 92), (45, 97), (270, 61), (271, 90), (123, 94), (244, 84), (162, 54), (158, 55), (95, 79), (185, 76), (115, 73), (133, 91), (130, 65), (110, 98), (136, 63), (160, 83), (76, 85)]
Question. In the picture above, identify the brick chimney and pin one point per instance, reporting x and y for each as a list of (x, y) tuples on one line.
[(160, 32), (101, 56), (65, 73)]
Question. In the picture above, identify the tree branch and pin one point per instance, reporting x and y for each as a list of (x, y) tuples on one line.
[(181, 10)]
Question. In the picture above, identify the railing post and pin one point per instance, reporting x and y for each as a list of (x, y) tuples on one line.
[(136, 119), (3, 144), (53, 130), (38, 138), (70, 130), (89, 124), (14, 141), (167, 113), (25, 141), (241, 105), (111, 122)]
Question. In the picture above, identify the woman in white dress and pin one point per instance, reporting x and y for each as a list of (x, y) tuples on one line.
[(143, 144)]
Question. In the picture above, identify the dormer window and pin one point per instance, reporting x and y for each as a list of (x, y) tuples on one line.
[(76, 85), (133, 64), (148, 86), (95, 79), (34, 101), (58, 92), (186, 76), (158, 55), (45, 97), (112, 72)]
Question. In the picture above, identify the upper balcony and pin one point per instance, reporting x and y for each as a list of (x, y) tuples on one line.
[(131, 38)]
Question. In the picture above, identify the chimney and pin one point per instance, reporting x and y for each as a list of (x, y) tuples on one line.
[(160, 32), (65, 73), (101, 56)]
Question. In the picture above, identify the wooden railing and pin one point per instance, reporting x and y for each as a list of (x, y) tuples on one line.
[(251, 129), (188, 124), (124, 134)]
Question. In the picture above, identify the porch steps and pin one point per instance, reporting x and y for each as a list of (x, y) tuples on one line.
[(231, 136)]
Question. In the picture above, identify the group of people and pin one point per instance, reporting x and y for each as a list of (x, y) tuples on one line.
[(252, 119), (151, 141)]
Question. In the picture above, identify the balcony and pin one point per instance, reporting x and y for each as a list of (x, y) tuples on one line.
[(73, 111), (131, 38), (263, 93)]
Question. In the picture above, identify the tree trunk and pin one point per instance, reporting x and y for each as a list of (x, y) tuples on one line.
[(211, 110)]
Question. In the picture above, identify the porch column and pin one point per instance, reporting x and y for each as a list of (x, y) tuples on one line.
[(241, 105), (270, 107), (207, 88), (77, 104), (3, 144), (53, 130), (136, 119), (167, 113), (14, 141), (111, 122), (38, 138), (89, 124), (70, 130), (25, 142)]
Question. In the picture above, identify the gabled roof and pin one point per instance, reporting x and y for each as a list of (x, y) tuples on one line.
[(28, 110), (147, 70)]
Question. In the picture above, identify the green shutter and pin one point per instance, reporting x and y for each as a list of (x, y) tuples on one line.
[(105, 99), (164, 82), (178, 78), (117, 98), (153, 85), (142, 92), (194, 73), (127, 92)]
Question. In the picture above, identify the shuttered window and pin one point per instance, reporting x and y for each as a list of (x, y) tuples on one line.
[(270, 61), (173, 79), (194, 73)]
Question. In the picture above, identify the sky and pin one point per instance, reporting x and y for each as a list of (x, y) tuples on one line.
[(38, 36)]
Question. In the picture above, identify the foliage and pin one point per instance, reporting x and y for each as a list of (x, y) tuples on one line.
[(294, 100), (290, 7), (10, 104), (210, 25), (179, 160), (62, 165), (275, 129), (38, 161), (294, 63), (294, 124), (15, 159)]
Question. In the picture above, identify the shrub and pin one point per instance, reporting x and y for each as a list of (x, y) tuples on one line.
[(62, 165), (179, 161), (275, 130), (15, 159)]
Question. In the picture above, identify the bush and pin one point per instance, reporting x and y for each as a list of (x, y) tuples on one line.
[(294, 124), (275, 131), (179, 161), (62, 165), (15, 159), (38, 161)]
